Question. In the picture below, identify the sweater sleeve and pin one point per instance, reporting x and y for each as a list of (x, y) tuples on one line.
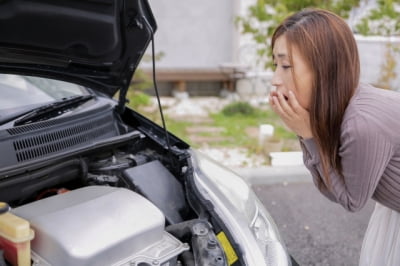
[(311, 161), (364, 154)]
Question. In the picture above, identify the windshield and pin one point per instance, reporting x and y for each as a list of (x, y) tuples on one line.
[(21, 91)]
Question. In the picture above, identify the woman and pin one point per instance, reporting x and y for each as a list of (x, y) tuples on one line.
[(349, 132)]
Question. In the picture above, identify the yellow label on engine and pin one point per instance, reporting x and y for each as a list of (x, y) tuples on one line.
[(226, 245)]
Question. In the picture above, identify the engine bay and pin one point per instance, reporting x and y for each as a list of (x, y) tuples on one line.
[(119, 201), (99, 225)]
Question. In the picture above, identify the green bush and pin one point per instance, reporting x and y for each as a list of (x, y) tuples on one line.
[(138, 98), (242, 108)]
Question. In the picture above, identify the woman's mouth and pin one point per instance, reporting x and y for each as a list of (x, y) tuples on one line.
[(275, 93)]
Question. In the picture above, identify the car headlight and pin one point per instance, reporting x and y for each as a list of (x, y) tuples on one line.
[(243, 214)]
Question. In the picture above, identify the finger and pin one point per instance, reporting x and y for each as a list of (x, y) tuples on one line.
[(270, 95), (297, 108), (284, 104), (278, 108), (271, 102)]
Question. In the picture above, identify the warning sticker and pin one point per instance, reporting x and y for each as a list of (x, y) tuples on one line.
[(226, 245)]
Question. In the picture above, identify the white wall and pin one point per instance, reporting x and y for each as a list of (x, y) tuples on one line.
[(372, 56), (202, 34), (194, 34)]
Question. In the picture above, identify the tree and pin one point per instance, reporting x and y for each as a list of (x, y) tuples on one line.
[(383, 20)]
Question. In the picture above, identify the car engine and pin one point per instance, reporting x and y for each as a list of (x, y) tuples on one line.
[(99, 225), (97, 191)]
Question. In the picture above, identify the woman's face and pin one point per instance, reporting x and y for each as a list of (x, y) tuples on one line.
[(286, 73)]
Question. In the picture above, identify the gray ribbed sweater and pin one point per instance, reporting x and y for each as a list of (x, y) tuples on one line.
[(369, 151)]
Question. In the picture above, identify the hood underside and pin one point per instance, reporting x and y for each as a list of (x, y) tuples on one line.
[(96, 43)]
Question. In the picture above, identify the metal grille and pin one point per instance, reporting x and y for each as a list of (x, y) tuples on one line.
[(85, 132)]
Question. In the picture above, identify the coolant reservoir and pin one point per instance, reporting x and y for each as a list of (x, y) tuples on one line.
[(15, 237)]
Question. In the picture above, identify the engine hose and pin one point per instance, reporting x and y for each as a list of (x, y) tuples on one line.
[(84, 170), (187, 258), (12, 189), (182, 230), (47, 171)]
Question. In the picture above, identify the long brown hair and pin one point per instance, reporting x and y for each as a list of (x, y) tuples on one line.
[(330, 50)]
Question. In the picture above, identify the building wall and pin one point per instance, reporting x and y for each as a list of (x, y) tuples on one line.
[(194, 34), (372, 57), (201, 34)]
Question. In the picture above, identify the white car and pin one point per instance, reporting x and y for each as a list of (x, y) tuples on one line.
[(98, 183)]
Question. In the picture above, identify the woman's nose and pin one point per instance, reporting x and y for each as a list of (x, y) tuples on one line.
[(276, 80)]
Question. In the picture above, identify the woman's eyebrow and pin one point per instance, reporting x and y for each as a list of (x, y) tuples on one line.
[(282, 56)]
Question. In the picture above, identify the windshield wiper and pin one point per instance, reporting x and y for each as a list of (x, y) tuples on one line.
[(53, 109)]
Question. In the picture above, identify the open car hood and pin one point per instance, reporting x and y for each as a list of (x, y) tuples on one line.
[(96, 43)]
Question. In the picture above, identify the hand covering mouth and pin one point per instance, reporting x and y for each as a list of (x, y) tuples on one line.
[(275, 93)]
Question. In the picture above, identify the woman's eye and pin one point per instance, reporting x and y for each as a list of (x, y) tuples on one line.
[(275, 65)]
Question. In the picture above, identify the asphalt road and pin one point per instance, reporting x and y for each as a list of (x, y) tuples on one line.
[(315, 230)]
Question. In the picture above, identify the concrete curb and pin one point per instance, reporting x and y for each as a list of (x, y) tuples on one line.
[(275, 174)]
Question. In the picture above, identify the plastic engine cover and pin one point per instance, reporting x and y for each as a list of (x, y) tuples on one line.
[(97, 226)]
